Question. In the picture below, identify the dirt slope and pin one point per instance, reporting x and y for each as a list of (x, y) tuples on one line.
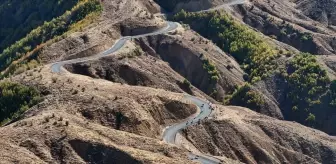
[(244, 135), (79, 125), (114, 109), (86, 116)]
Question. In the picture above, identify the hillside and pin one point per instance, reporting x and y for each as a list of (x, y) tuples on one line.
[(305, 91), (19, 18), (156, 81)]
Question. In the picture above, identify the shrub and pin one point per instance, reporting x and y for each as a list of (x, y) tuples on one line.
[(306, 37), (119, 119), (46, 119), (311, 117), (212, 71), (186, 83), (332, 93), (244, 96)]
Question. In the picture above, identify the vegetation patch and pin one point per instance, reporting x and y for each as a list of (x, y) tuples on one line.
[(15, 99), (53, 29), (20, 17), (308, 85), (244, 96), (307, 82), (254, 54), (185, 85), (212, 71), (285, 32), (311, 95)]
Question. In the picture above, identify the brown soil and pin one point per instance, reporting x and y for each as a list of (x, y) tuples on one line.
[(114, 109)]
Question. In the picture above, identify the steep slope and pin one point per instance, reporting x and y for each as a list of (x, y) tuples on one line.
[(75, 123), (193, 56), (187, 54), (24, 52), (19, 18), (113, 108), (301, 90)]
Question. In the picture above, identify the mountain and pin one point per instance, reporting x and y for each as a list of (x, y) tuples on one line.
[(155, 81)]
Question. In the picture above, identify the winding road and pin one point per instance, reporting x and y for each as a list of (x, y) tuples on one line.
[(56, 67), (170, 132)]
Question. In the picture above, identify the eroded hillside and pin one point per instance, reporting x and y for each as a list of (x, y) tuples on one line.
[(114, 96)]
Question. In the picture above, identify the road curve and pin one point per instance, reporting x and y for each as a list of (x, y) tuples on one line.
[(56, 67), (170, 132)]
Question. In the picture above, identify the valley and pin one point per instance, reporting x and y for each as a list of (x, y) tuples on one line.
[(181, 81)]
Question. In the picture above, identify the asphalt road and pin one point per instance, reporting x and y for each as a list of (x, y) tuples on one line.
[(56, 67), (169, 134)]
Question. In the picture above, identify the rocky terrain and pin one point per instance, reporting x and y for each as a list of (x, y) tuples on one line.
[(114, 109)]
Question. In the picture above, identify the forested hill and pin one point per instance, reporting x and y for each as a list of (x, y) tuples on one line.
[(36, 22), (19, 17)]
